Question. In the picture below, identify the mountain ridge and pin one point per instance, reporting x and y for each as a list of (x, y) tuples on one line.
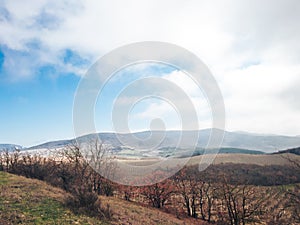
[(142, 140), (10, 147)]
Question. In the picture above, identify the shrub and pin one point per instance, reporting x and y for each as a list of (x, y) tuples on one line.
[(87, 202)]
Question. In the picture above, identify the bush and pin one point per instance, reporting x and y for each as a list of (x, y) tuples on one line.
[(87, 202)]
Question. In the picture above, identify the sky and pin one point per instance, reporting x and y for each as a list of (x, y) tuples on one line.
[(46, 47)]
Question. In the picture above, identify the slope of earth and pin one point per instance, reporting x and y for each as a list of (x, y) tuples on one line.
[(295, 151), (135, 214), (30, 201)]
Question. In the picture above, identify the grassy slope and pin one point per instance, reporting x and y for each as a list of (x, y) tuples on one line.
[(131, 213), (29, 201)]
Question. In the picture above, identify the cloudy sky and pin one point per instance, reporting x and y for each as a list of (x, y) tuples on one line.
[(251, 47)]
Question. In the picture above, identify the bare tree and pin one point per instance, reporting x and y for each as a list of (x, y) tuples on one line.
[(294, 193), (158, 194), (242, 203), (207, 198), (88, 164), (187, 188), (10, 160)]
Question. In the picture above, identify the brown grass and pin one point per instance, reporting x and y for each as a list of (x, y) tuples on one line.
[(133, 213), (262, 160), (30, 201)]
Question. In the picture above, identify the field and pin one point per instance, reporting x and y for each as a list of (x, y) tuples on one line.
[(262, 160)]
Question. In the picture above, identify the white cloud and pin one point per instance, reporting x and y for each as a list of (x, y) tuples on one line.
[(251, 46), (253, 99), (166, 109), (155, 110)]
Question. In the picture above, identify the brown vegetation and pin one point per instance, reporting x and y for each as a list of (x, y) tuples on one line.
[(222, 194)]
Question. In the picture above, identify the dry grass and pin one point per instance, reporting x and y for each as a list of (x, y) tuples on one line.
[(29, 201), (262, 160), (133, 213)]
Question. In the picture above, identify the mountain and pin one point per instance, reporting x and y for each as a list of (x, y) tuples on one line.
[(160, 140), (52, 144), (266, 143), (10, 147), (295, 151)]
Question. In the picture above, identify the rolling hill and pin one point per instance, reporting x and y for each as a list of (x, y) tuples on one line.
[(295, 151), (169, 139), (10, 147)]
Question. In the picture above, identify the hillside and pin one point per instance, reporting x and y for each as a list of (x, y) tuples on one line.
[(247, 159), (295, 151), (126, 143), (131, 213), (10, 147), (29, 201)]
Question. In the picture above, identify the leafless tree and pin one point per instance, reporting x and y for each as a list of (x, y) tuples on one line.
[(158, 194), (9, 160), (207, 199), (92, 163), (187, 188), (294, 193), (242, 203)]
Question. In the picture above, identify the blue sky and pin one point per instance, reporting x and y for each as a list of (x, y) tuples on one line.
[(37, 109), (47, 46), (140, 116)]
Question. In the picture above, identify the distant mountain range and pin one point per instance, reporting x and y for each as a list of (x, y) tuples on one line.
[(232, 140), (10, 147)]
